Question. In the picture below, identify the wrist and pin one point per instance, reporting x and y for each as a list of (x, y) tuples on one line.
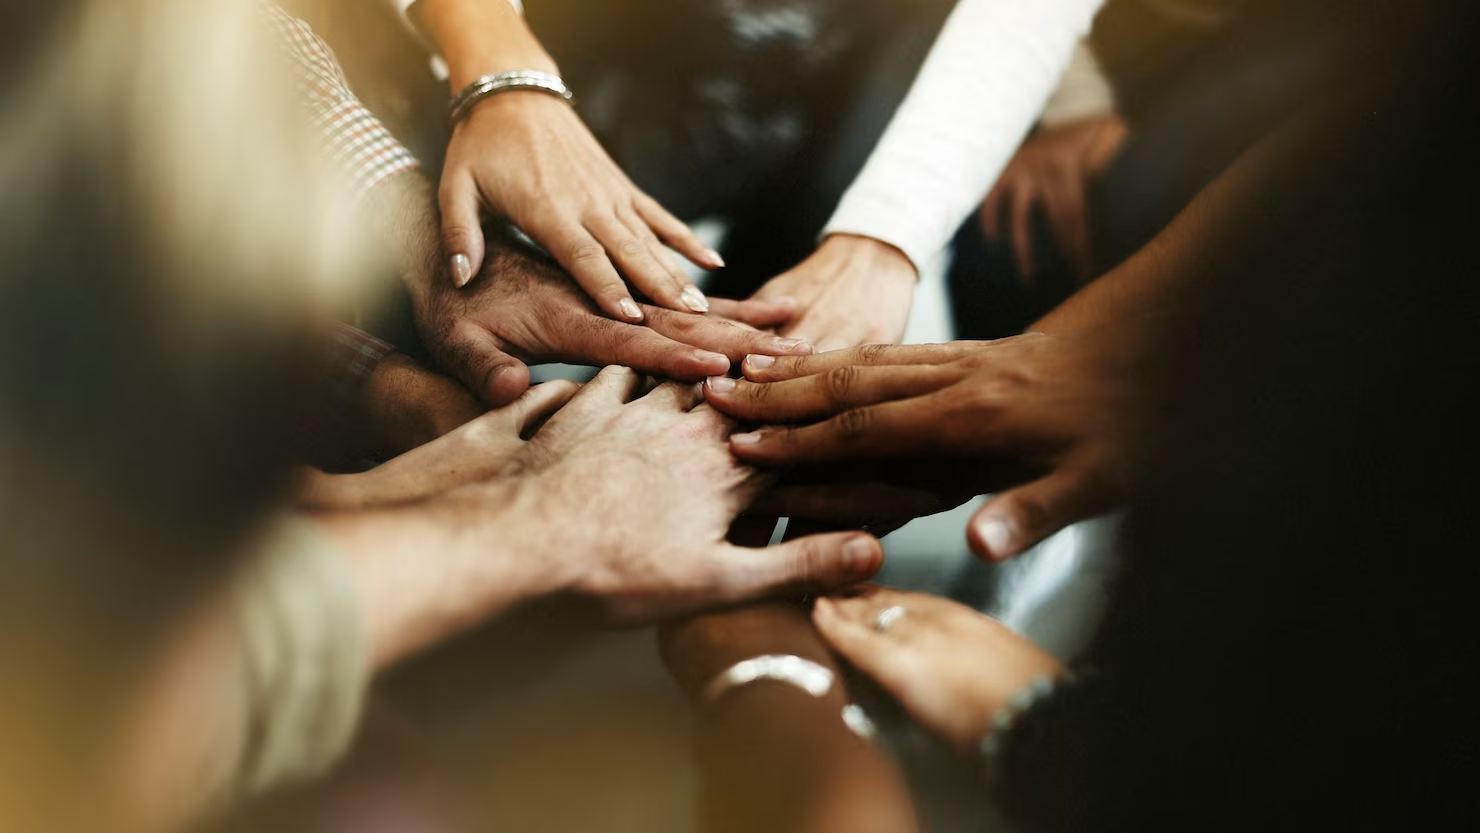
[(856, 252), (480, 37), (409, 602)]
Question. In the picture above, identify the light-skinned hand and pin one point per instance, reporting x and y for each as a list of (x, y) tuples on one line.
[(853, 290), (522, 310), (950, 667), (528, 157)]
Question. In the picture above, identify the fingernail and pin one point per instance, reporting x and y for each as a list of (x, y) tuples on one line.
[(752, 438), (715, 261), (759, 362), (695, 300), (795, 346), (713, 359), (859, 554), (824, 606), (721, 384), (997, 535), (462, 270), (630, 309)]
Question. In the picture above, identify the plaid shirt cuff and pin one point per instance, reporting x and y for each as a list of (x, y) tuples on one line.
[(354, 139), (351, 358)]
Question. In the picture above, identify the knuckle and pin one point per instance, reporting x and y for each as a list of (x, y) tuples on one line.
[(758, 394), (839, 383), (631, 248), (854, 424), (586, 253), (873, 353)]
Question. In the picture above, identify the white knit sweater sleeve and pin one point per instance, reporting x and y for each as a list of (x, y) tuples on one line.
[(982, 87)]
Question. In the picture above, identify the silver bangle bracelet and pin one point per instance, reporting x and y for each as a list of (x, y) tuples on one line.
[(502, 82), (804, 674), (795, 671)]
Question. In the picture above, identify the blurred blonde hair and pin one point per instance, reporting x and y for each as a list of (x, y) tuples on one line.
[(168, 245)]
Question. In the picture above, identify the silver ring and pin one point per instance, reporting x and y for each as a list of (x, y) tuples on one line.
[(887, 617)]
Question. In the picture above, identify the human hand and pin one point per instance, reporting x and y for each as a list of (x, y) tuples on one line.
[(878, 496), (853, 290), (408, 406), (950, 667), (631, 501), (1054, 171), (475, 451), (529, 157), (1064, 416), (523, 309)]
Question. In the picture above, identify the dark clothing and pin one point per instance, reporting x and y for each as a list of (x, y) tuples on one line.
[(1292, 645)]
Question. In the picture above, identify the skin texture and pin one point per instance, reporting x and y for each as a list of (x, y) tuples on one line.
[(1051, 424), (853, 290), (407, 406), (527, 157), (949, 666), (521, 308), (476, 451), (1053, 173), (772, 757), (654, 488)]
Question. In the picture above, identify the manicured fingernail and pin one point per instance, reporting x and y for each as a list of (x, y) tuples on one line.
[(997, 535), (721, 384), (630, 309), (715, 261), (859, 554), (695, 300), (759, 362), (794, 346), (753, 438), (462, 270)]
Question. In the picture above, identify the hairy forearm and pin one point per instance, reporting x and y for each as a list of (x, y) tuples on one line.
[(477, 37), (775, 758)]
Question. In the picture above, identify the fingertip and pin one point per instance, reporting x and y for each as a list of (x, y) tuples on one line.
[(627, 309), (748, 440), (756, 365), (712, 364), (694, 299), (506, 384), (863, 555), (993, 537), (461, 267), (719, 385)]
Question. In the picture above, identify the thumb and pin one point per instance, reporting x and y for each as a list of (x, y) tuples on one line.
[(815, 564), (539, 403), (487, 370), (1015, 520), (462, 229)]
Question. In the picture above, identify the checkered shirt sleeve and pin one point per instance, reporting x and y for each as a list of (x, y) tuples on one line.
[(354, 138), (352, 356)]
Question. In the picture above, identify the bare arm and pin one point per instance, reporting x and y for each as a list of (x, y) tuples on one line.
[(772, 757)]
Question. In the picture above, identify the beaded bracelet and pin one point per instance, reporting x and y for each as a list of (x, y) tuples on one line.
[(1018, 705), (502, 82)]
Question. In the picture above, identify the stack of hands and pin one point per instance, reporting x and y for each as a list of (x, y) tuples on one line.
[(626, 492)]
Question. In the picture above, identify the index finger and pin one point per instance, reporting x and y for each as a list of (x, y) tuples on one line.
[(822, 395), (604, 341), (763, 368), (893, 429)]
